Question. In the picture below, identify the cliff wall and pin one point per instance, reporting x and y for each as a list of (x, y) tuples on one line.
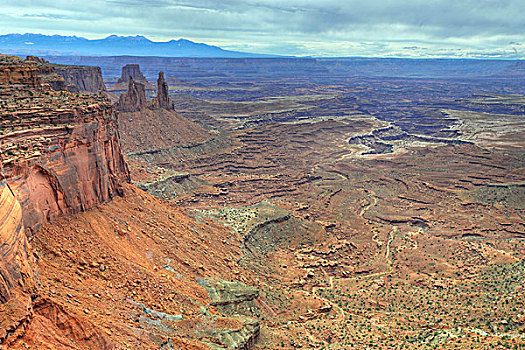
[(62, 161), (17, 282), (60, 154), (83, 79), (67, 167), (86, 79)]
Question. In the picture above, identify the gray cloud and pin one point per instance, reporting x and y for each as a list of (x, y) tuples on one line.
[(301, 27)]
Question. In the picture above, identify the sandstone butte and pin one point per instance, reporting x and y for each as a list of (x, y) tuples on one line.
[(131, 71), (82, 249)]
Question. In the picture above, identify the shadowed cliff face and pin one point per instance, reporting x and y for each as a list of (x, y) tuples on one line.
[(86, 79)]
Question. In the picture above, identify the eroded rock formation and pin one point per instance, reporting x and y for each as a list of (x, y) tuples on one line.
[(238, 300), (131, 72), (15, 74), (77, 166), (84, 79), (163, 99), (49, 77), (61, 151), (134, 99)]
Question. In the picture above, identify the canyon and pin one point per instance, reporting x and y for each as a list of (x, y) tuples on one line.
[(260, 204), (375, 212)]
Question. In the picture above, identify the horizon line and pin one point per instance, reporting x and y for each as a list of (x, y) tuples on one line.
[(276, 56)]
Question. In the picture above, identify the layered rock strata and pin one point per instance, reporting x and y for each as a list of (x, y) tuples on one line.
[(86, 79), (61, 150), (83, 79), (71, 164), (237, 300), (60, 154), (15, 74)]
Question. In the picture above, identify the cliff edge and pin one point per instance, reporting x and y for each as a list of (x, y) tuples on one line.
[(60, 153)]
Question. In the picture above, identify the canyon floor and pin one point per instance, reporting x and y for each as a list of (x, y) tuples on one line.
[(372, 213), (306, 209)]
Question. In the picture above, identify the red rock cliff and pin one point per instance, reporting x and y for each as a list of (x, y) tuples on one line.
[(61, 152), (77, 166), (17, 282), (15, 75)]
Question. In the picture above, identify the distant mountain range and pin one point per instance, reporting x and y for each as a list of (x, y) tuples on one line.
[(114, 45)]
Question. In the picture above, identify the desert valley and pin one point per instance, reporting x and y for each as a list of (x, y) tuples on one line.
[(261, 203)]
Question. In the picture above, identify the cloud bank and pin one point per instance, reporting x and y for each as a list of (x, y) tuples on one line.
[(325, 28)]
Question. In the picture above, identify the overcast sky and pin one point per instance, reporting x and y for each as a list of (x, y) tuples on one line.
[(407, 28)]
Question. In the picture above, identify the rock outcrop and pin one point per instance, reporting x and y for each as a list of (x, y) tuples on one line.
[(237, 300), (49, 76), (163, 99), (134, 99), (15, 74), (232, 298), (86, 79), (131, 71), (83, 79)]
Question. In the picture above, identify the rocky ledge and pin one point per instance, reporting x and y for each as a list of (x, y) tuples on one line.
[(238, 301)]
